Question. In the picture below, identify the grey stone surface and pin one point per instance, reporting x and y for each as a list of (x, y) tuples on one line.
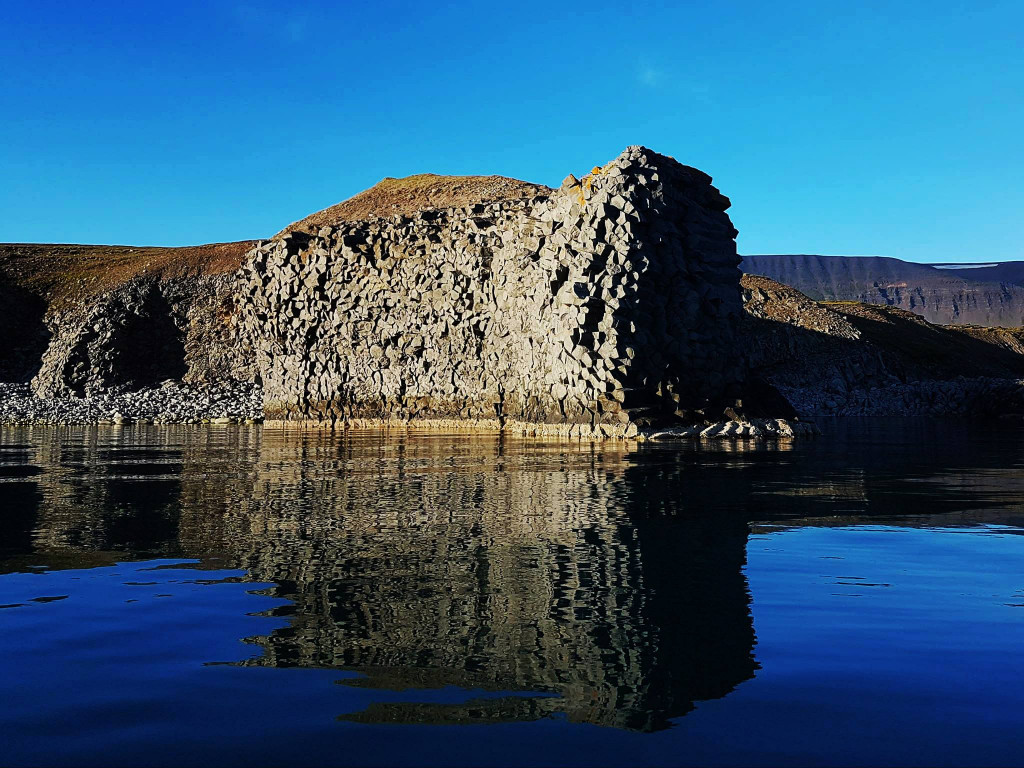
[(610, 307), (602, 309)]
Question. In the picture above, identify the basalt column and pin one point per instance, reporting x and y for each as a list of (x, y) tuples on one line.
[(605, 306)]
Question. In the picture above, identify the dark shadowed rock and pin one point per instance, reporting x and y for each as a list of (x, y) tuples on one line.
[(862, 359)]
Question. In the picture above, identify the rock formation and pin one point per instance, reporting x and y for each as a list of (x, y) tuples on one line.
[(601, 308), (89, 319), (610, 307), (140, 334), (616, 585), (854, 359)]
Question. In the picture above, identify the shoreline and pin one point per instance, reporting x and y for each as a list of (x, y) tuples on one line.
[(172, 402), (222, 403)]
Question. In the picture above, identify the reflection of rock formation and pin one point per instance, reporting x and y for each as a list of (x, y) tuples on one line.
[(100, 491), (610, 580), (444, 561), (20, 507), (627, 627), (434, 561)]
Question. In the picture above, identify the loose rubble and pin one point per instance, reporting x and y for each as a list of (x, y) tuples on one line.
[(170, 403)]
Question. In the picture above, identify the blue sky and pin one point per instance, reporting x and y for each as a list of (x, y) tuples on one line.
[(850, 128)]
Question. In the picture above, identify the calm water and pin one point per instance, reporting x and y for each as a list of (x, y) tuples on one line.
[(237, 596)]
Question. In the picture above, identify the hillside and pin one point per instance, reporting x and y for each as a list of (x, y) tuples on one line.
[(913, 346), (851, 358), (64, 273), (958, 296), (67, 273)]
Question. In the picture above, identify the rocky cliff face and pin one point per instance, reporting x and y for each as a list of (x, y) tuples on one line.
[(142, 333), (604, 306), (856, 359), (607, 307), (84, 319)]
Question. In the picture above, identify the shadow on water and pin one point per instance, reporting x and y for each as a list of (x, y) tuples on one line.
[(606, 580)]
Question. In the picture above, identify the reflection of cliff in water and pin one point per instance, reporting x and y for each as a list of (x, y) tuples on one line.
[(609, 578), (84, 497), (432, 562), (438, 562)]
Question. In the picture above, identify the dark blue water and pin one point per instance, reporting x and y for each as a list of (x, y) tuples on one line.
[(237, 596)]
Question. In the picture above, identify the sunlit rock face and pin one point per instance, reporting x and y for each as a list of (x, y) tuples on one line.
[(602, 307)]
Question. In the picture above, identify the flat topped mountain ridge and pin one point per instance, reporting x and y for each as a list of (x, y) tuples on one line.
[(407, 195), (990, 296)]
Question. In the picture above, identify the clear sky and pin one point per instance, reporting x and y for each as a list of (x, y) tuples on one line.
[(889, 128)]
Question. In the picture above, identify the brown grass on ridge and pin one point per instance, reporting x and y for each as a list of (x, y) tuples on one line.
[(407, 195), (68, 273)]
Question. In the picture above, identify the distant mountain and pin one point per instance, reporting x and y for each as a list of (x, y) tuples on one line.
[(988, 271), (991, 293)]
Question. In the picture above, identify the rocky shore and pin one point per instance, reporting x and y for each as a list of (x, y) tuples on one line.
[(170, 403), (242, 403)]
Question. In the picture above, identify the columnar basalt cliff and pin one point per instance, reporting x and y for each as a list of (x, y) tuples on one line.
[(599, 309), (610, 307)]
